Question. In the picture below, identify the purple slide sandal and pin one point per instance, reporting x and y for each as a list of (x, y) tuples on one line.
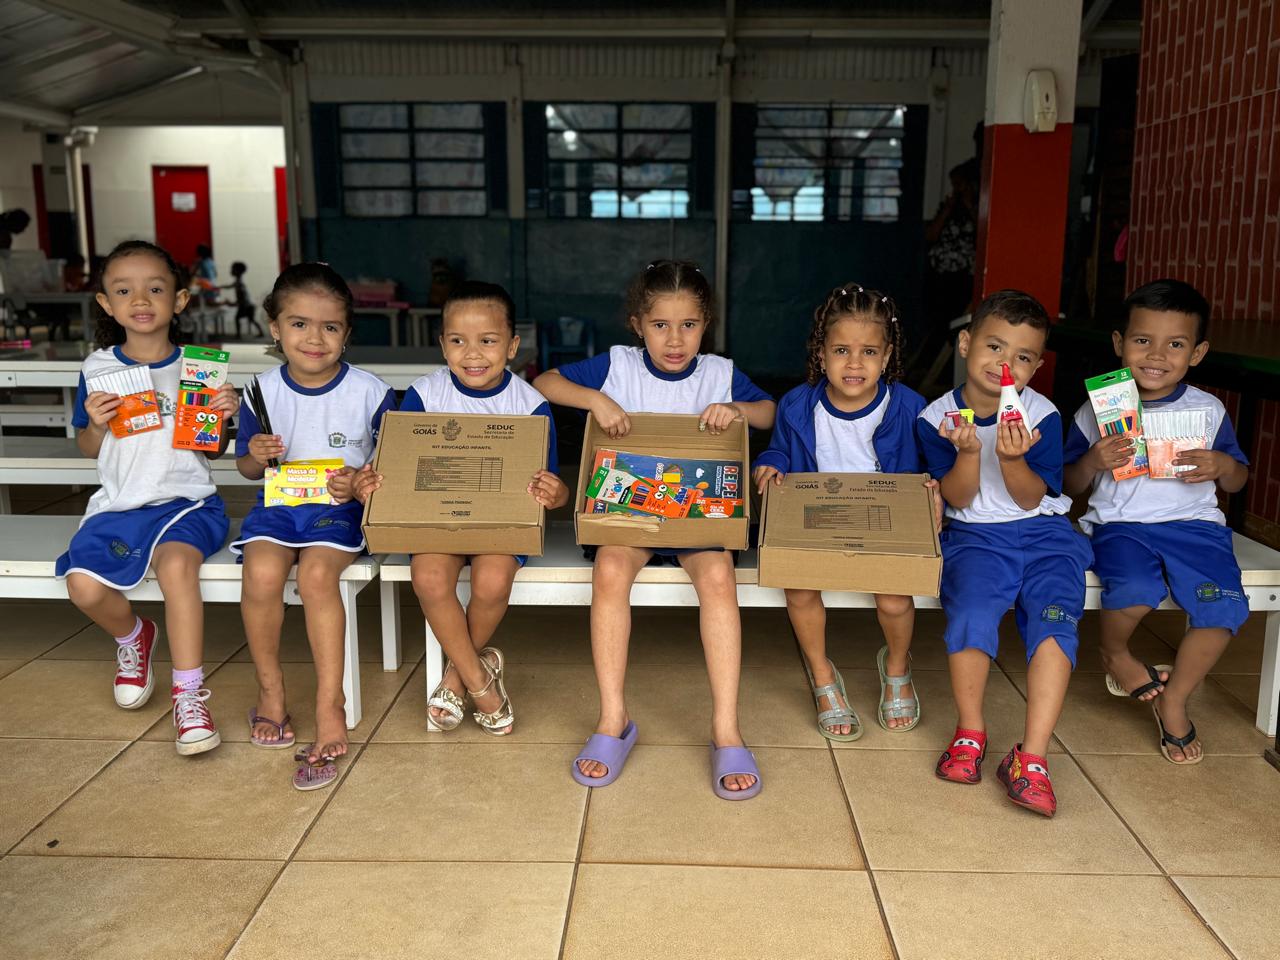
[(611, 751), (729, 762)]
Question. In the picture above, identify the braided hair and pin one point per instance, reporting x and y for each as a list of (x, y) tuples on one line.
[(665, 278), (852, 300), (109, 333)]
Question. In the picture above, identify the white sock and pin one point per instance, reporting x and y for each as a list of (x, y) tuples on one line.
[(132, 635)]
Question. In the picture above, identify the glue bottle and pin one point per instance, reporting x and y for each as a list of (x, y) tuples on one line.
[(1010, 404)]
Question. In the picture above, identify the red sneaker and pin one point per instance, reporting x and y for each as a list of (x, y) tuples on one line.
[(961, 762), (196, 732), (135, 679), (1026, 777)]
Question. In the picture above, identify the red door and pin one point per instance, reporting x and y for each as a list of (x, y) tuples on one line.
[(181, 197), (282, 217)]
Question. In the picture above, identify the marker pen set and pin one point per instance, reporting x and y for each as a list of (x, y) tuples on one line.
[(139, 410), (1171, 432)]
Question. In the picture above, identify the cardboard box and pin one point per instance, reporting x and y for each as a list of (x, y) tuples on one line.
[(662, 435), (457, 483), (860, 532)]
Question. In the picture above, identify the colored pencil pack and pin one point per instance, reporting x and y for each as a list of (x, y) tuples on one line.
[(139, 410), (1118, 410), (202, 374), (665, 486)]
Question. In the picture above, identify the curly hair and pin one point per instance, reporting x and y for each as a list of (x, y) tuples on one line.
[(109, 333), (664, 278), (853, 300)]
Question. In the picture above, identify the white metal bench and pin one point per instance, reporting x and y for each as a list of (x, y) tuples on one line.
[(29, 546), (562, 577)]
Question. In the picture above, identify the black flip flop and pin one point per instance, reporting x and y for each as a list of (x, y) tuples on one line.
[(1168, 740), (1114, 688)]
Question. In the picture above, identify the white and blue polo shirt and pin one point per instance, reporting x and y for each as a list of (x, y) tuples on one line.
[(628, 377)]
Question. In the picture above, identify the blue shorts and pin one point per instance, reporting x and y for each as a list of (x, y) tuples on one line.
[(1036, 565), (1194, 558), (308, 525), (116, 548), (662, 556)]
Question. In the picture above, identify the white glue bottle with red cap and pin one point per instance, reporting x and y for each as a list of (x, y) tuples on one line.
[(1010, 404)]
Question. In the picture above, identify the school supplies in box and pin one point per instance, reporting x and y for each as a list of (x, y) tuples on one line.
[(671, 486), (1169, 433), (958, 418), (296, 482), (1116, 407), (139, 410), (640, 494), (202, 373)]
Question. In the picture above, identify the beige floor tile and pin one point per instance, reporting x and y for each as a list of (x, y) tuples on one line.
[(223, 636), (124, 909), (1006, 712), (391, 911), (663, 811), (1242, 686), (294, 646), (1217, 817), (1241, 910), (1243, 655), (235, 692), (624, 911), (489, 801), (37, 775), (71, 699), (33, 626), (8, 666), (854, 638), (1093, 721), (993, 917), (1146, 646), (235, 802), (910, 820)]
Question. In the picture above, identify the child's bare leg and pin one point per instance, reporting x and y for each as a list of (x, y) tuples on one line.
[(266, 569), (611, 579), (318, 571), (491, 578), (1048, 674), (435, 581), (969, 669), (106, 606), (1113, 645), (1198, 652), (177, 567), (809, 621), (897, 616), (720, 623)]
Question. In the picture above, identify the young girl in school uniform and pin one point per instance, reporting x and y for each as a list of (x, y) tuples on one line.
[(853, 415), (670, 308), (478, 339), (319, 407), (157, 506)]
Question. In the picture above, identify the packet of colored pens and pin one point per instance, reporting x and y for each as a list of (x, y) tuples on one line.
[(1118, 410), (202, 374), (139, 410), (1171, 432)]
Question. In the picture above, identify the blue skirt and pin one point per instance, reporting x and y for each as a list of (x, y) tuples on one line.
[(309, 525), (116, 548)]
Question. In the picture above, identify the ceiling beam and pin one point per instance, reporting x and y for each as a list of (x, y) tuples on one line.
[(89, 110), (23, 67), (33, 114), (1092, 17)]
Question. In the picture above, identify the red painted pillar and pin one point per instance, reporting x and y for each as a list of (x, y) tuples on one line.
[(1022, 212)]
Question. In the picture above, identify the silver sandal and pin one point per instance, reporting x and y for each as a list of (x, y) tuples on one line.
[(896, 707), (837, 716), (442, 698), (493, 723)]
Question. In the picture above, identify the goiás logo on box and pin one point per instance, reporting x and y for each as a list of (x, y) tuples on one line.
[(807, 485), (833, 485)]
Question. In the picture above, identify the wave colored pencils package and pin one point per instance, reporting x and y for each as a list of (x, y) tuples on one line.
[(139, 410), (201, 376), (1118, 410), (667, 486)]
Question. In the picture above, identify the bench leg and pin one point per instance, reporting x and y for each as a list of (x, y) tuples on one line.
[(351, 655), (5, 505), (1269, 682), (392, 654), (433, 666)]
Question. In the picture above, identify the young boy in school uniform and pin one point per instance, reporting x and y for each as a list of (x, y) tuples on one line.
[(1007, 542), (1156, 536)]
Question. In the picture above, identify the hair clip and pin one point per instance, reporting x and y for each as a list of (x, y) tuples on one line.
[(844, 292), (860, 290), (885, 298)]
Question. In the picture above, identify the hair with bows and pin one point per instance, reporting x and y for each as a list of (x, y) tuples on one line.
[(854, 301), (665, 278), (313, 277)]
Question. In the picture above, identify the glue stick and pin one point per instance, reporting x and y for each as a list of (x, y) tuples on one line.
[(1010, 404)]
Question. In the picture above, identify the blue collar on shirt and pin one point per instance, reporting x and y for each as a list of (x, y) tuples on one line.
[(480, 394), (839, 414), (662, 374), (296, 387), (129, 361), (978, 421), (1172, 396)]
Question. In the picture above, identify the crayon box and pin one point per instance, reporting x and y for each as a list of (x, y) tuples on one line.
[(1116, 407), (202, 374), (296, 482)]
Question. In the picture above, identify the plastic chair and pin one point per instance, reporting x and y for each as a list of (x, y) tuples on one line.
[(567, 338)]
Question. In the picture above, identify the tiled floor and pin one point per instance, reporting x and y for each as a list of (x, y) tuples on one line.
[(459, 845)]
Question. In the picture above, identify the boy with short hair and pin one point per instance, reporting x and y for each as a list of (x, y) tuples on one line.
[(1007, 542), (1156, 536)]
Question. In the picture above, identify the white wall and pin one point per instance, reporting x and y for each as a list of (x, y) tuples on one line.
[(241, 162), (21, 150)]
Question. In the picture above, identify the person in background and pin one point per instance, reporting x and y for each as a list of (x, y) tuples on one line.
[(205, 274), (245, 309), (12, 222)]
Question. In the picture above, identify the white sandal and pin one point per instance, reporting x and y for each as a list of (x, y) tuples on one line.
[(500, 722), (442, 698)]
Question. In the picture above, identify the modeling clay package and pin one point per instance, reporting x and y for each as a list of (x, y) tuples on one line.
[(958, 418), (296, 482), (665, 486), (139, 411), (201, 376), (1116, 407), (1169, 433)]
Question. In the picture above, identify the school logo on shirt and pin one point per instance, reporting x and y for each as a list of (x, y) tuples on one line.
[(167, 406), (833, 485), (1053, 613), (451, 430), (337, 439)]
